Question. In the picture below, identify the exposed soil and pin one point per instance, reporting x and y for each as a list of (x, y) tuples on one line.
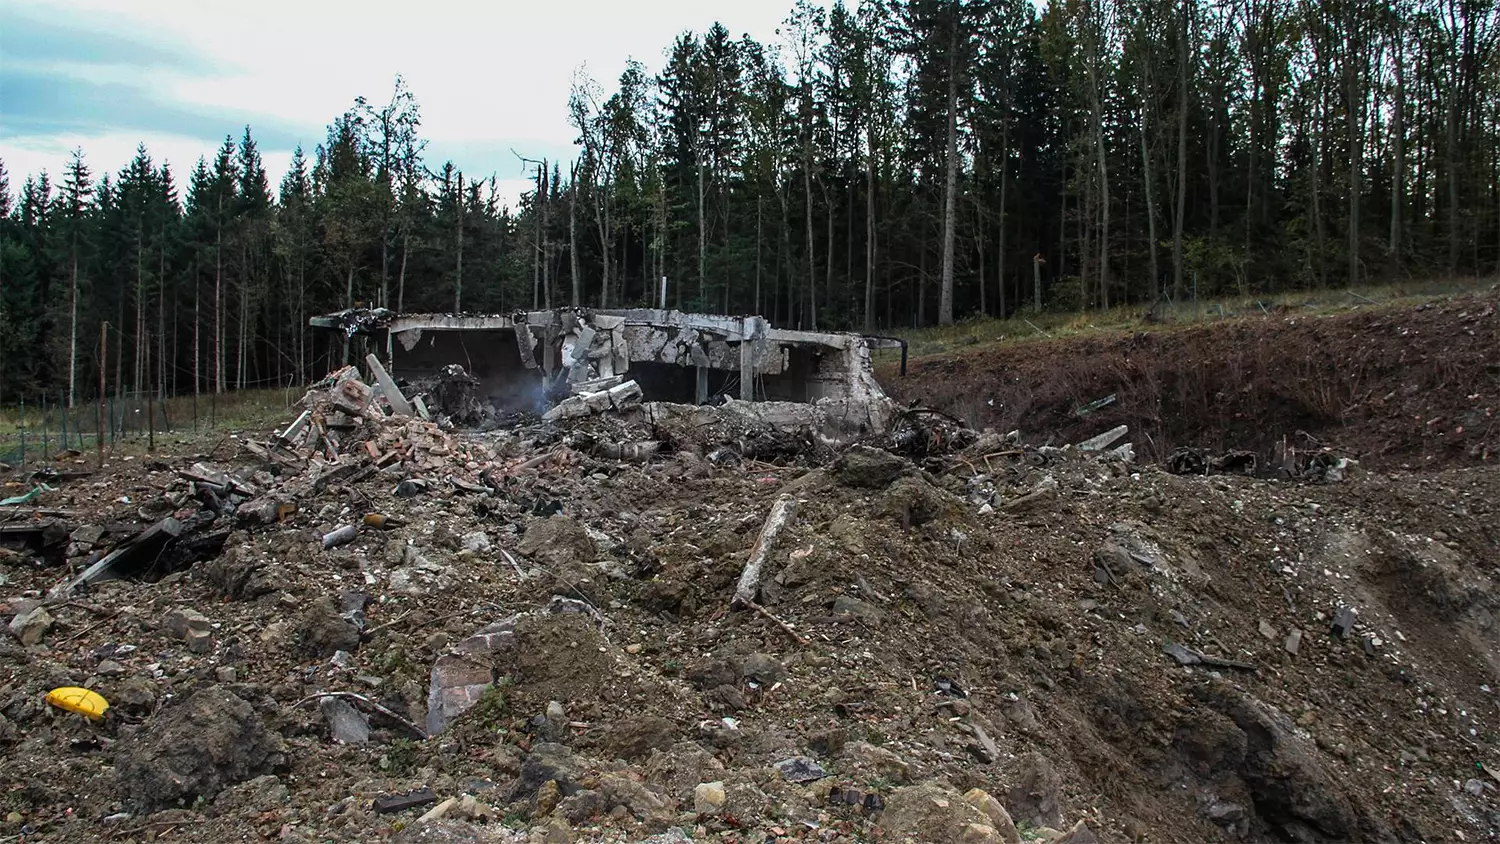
[(1163, 658), (1408, 387)]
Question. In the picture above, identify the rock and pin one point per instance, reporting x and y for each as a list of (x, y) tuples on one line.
[(764, 669), (323, 630), (998, 817), (195, 749), (635, 737), (346, 724), (680, 769), (868, 468), (1267, 630), (912, 500), (714, 671), (559, 542), (879, 761), (1293, 641), (387, 803), (1035, 799), (478, 542), (1343, 622), (1079, 834), (1223, 813), (854, 607), (1284, 772), (800, 769), (930, 812), (234, 576), (726, 697), (709, 798), (30, 627), (182, 621), (199, 641), (547, 762), (582, 806), (640, 801), (1044, 492), (983, 747), (438, 812)]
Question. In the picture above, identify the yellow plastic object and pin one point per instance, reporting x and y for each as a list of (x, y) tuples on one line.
[(74, 699)]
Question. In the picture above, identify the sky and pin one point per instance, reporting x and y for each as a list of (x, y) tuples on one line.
[(492, 78)]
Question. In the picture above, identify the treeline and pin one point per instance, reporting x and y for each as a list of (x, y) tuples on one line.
[(901, 164)]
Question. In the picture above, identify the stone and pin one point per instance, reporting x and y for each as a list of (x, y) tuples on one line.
[(182, 621), (1078, 834), (863, 611), (1267, 630), (30, 627), (1036, 799), (983, 747), (998, 817), (478, 542), (438, 812), (559, 542), (199, 641), (547, 762), (582, 806), (913, 501), (714, 671), (868, 468), (346, 724), (640, 801), (236, 577), (195, 749), (764, 669), (322, 630), (709, 798), (931, 812), (878, 761), (635, 737), (1045, 491), (1293, 641), (227, 674), (800, 769)]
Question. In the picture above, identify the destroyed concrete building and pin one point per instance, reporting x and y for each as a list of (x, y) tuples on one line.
[(574, 361)]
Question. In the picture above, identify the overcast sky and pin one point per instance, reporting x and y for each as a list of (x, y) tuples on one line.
[(180, 74)]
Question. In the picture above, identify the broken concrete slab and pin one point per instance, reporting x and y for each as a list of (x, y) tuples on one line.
[(388, 388), (1104, 440)]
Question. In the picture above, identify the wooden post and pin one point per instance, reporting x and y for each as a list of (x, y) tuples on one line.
[(103, 351)]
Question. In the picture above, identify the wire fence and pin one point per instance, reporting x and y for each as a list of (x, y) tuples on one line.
[(37, 432)]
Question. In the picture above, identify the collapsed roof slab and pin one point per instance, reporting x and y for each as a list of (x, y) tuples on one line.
[(754, 360)]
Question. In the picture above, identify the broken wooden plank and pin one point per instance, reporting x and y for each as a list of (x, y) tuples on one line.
[(748, 589), (398, 402), (296, 427)]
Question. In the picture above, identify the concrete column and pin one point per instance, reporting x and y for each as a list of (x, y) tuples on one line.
[(702, 385), (749, 331)]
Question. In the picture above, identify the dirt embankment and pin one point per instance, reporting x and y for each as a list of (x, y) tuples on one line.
[(1414, 387)]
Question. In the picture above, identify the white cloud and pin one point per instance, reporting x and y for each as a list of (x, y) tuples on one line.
[(491, 75)]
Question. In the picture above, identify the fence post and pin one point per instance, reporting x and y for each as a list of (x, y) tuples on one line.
[(22, 428)]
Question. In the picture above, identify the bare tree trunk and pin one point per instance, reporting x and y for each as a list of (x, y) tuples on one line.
[(870, 245), (1148, 181), (536, 214), (73, 331), (140, 314), (1000, 223), (1353, 111), (1182, 110), (219, 301), (812, 272), (1398, 145), (573, 230), (401, 279), (702, 240), (759, 248), (1317, 185), (458, 272), (1097, 97), (241, 343), (546, 243), (950, 186)]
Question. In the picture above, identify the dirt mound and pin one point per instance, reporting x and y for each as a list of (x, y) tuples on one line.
[(1415, 387), (937, 645)]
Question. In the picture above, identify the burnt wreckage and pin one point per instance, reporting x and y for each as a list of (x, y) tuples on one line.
[(568, 362)]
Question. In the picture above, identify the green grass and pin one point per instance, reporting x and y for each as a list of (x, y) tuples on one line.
[(1027, 326), (177, 423)]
